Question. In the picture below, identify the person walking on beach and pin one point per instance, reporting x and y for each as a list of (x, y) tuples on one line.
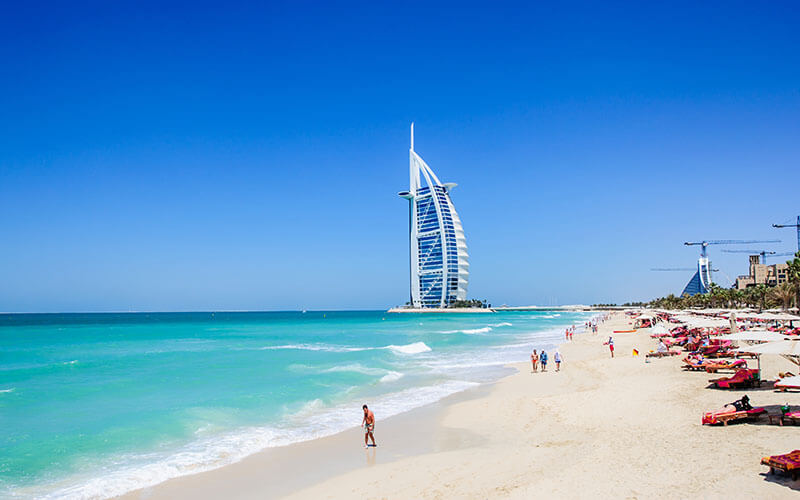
[(369, 426), (557, 359), (534, 361), (611, 345), (543, 360)]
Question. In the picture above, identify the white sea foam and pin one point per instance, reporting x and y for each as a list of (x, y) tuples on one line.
[(391, 376), (415, 348), (7, 390), (504, 323), (510, 346), (485, 329), (473, 331), (443, 367), (73, 362), (311, 422), (356, 368), (384, 374), (315, 347)]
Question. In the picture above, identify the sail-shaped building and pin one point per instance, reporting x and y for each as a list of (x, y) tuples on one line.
[(701, 281), (439, 260)]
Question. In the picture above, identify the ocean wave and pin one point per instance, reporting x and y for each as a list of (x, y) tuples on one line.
[(415, 348), (510, 346), (485, 329), (355, 368), (7, 390), (316, 347), (313, 421), (473, 331), (384, 374), (504, 323), (392, 376), (444, 367)]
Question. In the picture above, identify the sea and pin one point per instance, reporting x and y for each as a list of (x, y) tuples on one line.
[(96, 405)]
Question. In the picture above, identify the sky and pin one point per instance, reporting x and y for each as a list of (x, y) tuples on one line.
[(231, 156)]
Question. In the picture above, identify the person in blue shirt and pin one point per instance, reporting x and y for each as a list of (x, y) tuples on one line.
[(543, 360)]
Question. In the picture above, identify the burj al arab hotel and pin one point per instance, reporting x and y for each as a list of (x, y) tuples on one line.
[(439, 260)]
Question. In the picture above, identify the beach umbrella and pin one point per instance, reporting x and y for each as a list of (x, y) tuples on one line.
[(697, 322), (754, 336), (793, 381), (659, 329), (789, 349)]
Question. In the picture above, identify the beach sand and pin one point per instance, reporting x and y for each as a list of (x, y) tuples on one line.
[(600, 428)]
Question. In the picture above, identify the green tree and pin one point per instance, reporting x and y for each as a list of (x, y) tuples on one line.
[(784, 294), (760, 293), (794, 276)]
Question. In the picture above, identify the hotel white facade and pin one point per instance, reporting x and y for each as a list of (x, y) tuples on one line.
[(439, 259)]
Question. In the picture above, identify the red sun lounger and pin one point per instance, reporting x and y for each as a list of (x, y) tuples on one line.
[(744, 377), (731, 416), (788, 463)]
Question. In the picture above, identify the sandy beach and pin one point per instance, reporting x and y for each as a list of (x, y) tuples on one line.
[(600, 428)]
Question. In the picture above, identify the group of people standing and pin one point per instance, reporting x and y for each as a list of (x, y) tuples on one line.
[(537, 358), (591, 326), (569, 332)]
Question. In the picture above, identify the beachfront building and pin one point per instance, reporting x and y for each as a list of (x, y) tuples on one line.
[(762, 274), (701, 281), (438, 248)]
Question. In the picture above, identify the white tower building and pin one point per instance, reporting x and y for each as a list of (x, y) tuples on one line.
[(439, 259)]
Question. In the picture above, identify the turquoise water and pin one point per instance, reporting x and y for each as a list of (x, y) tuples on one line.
[(94, 405)]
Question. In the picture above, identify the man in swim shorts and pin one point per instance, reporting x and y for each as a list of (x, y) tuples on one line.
[(369, 426)]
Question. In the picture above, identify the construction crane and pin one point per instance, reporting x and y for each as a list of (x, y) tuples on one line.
[(676, 269), (792, 225), (704, 244), (701, 281), (762, 253)]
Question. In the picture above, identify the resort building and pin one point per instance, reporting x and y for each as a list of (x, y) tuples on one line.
[(438, 248), (762, 274), (701, 281)]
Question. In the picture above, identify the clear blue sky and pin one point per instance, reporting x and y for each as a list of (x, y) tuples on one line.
[(199, 156)]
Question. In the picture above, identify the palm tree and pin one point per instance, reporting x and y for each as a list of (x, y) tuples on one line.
[(738, 297), (760, 293), (793, 272), (751, 296), (785, 294)]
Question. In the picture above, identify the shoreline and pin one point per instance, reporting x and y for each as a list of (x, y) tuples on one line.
[(254, 471), (283, 470), (617, 427), (399, 424)]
